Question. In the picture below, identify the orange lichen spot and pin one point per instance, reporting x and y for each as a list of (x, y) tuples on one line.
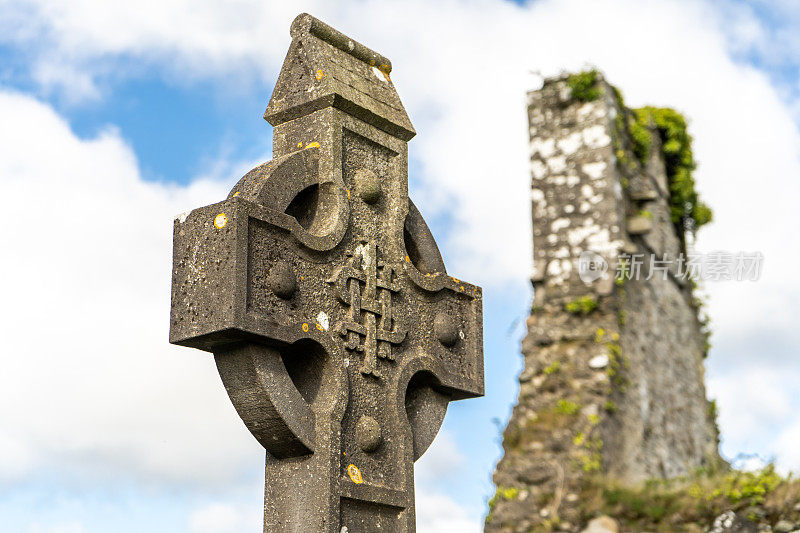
[(385, 69), (315, 144), (305, 327), (348, 194), (408, 259), (320, 74), (319, 327), (355, 474), (299, 145), (236, 194)]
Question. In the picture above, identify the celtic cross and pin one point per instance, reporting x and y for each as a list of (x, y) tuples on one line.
[(320, 290)]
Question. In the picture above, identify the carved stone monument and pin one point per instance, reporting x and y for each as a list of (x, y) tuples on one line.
[(321, 292)]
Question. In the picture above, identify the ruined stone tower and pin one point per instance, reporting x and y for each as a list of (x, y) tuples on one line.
[(612, 386)]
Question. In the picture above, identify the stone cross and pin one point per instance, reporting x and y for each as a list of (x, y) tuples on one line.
[(321, 292)]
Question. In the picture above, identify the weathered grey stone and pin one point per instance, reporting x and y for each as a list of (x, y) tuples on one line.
[(602, 524), (639, 225), (318, 286), (644, 195), (730, 522), (368, 185), (783, 526)]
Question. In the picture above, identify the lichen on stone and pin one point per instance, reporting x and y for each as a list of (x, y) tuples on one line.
[(581, 306)]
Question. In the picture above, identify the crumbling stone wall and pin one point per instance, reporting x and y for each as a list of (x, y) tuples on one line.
[(613, 380)]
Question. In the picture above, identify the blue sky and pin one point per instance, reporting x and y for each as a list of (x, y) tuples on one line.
[(116, 117)]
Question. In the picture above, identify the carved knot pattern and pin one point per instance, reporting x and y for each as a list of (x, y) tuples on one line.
[(366, 286)]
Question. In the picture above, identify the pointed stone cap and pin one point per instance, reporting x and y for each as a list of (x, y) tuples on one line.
[(326, 68)]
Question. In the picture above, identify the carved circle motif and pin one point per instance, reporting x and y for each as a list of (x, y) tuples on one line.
[(367, 185), (445, 328), (282, 280), (368, 434)]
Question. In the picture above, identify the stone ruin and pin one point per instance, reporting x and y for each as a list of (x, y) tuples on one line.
[(613, 378)]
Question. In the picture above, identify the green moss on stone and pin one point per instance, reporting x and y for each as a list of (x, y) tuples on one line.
[(584, 85), (567, 407), (581, 306), (688, 503), (552, 368), (502, 493), (676, 144)]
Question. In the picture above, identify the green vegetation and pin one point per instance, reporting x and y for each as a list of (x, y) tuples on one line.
[(671, 505), (617, 362), (566, 407), (639, 128), (552, 368), (504, 493), (676, 144), (584, 86), (581, 306), (591, 462)]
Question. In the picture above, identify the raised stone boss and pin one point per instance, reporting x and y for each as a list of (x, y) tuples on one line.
[(321, 292)]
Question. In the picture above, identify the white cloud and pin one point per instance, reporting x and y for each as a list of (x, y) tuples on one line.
[(225, 518), (436, 472), (440, 461), (438, 513), (788, 445), (89, 381)]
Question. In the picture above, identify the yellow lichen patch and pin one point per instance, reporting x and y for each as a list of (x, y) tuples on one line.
[(220, 220), (319, 327), (385, 69), (305, 327), (408, 259), (355, 474), (320, 74), (315, 144), (236, 194), (299, 145)]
